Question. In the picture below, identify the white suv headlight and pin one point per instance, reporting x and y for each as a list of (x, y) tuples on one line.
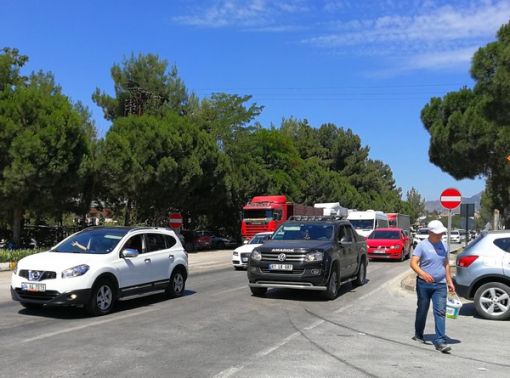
[(75, 271)]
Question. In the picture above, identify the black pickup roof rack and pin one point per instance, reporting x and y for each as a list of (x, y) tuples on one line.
[(323, 218)]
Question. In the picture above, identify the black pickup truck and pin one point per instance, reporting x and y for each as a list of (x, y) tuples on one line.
[(309, 253)]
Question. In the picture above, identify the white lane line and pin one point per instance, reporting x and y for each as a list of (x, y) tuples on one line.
[(375, 291), (228, 372), (235, 369), (77, 328), (229, 290), (265, 352)]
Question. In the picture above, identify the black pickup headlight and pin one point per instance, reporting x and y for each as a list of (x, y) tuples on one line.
[(256, 255), (314, 256)]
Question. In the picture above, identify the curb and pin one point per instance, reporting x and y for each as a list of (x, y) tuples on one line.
[(4, 267)]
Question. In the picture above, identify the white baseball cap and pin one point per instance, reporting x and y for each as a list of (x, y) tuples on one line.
[(436, 227)]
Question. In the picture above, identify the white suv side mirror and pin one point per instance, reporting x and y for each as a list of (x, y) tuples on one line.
[(130, 253)]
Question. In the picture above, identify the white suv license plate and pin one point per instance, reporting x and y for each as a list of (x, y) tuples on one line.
[(37, 287), (280, 266)]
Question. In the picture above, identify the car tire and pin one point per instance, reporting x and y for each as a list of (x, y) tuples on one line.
[(177, 284), (487, 299), (32, 306), (102, 298), (402, 255), (332, 288), (258, 291), (221, 245), (238, 268), (362, 274)]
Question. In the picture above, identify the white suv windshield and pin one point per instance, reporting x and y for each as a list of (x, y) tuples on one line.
[(95, 241)]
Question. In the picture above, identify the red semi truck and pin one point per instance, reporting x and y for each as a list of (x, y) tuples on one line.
[(399, 220), (266, 213)]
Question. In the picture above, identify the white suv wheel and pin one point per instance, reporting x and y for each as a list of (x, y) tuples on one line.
[(492, 301), (104, 298)]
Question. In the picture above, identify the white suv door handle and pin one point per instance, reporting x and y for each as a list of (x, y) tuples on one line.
[(147, 260)]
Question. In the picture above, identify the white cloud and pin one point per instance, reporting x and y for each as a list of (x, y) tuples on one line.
[(435, 37), (244, 13)]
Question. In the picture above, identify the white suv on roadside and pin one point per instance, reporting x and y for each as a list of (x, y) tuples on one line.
[(98, 265)]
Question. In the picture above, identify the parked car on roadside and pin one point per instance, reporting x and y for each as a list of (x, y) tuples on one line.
[(95, 267), (222, 242), (241, 254), (388, 243), (197, 240), (483, 274)]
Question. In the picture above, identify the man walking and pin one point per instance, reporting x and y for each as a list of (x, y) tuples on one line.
[(430, 262)]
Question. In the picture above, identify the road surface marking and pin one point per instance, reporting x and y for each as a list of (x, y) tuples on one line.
[(95, 323)]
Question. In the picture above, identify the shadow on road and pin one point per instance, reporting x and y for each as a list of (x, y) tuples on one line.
[(121, 306), (307, 295)]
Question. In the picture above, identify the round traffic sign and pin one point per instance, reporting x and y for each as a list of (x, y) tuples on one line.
[(175, 220), (450, 198)]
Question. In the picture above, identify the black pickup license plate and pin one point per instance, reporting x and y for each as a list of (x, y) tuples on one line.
[(280, 267)]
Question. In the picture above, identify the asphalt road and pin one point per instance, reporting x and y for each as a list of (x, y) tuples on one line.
[(219, 329)]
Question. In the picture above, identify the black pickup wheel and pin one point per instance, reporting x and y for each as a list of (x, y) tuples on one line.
[(332, 291)]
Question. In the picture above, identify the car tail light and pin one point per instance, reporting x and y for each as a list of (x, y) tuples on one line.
[(466, 261)]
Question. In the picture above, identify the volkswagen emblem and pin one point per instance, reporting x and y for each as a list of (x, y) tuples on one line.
[(282, 257), (34, 275)]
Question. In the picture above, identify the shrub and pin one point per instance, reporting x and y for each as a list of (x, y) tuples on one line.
[(7, 255)]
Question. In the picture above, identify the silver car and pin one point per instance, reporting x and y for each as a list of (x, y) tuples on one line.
[(483, 274)]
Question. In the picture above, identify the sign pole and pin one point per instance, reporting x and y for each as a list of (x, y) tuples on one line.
[(449, 228)]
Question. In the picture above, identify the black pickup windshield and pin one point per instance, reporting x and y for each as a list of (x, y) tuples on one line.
[(94, 241), (304, 232)]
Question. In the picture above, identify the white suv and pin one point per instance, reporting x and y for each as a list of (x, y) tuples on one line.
[(99, 265)]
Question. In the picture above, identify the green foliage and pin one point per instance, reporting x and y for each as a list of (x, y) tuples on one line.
[(415, 205), (8, 255), (44, 140), (470, 129), (167, 151), (143, 85)]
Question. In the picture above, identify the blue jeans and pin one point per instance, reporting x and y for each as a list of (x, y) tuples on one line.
[(437, 292)]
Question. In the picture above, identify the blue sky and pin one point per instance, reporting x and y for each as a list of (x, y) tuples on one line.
[(366, 65)]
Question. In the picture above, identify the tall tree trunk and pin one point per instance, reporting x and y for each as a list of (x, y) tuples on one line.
[(127, 213), (16, 225)]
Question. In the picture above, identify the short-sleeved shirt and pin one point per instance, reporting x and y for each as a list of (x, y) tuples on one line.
[(432, 258)]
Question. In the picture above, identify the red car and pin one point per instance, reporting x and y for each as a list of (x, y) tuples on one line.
[(388, 243)]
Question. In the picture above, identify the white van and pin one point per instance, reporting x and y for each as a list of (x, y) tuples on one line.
[(364, 222)]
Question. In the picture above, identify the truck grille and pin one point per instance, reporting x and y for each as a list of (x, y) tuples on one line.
[(252, 229), (273, 256)]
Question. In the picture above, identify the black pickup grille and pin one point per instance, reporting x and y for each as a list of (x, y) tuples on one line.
[(273, 256), (287, 272)]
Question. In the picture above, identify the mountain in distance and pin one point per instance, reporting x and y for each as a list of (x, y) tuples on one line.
[(431, 206)]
